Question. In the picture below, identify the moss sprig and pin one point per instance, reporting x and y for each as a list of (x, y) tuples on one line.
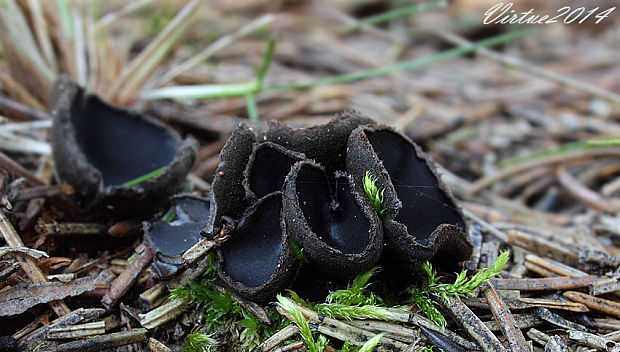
[(462, 286), (373, 193)]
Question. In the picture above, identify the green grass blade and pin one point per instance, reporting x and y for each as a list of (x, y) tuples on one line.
[(262, 70), (142, 178), (401, 66), (400, 12), (250, 104)]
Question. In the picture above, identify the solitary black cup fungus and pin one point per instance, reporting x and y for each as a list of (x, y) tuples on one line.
[(256, 260), (334, 224), (421, 220), (227, 191), (178, 231), (326, 143), (267, 168), (99, 149)]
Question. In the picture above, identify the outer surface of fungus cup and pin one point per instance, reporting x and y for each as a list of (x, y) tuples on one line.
[(334, 224), (256, 260), (325, 144), (99, 148), (169, 239), (422, 220), (227, 191)]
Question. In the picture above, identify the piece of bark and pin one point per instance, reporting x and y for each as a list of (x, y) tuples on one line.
[(595, 303), (125, 280), (18, 299), (102, 342), (473, 325), (507, 323), (544, 284), (30, 267)]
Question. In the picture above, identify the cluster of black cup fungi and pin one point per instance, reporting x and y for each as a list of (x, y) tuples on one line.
[(274, 190)]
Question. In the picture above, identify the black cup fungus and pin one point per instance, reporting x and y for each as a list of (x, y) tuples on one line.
[(322, 205), (104, 151), (256, 260), (227, 191), (421, 218), (325, 144), (170, 238), (334, 224), (267, 168)]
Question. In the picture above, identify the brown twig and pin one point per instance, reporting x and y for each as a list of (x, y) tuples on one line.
[(125, 280), (583, 193), (595, 303)]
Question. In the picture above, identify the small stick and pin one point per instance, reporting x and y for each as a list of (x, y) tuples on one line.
[(77, 331), (554, 319), (591, 340), (418, 320), (527, 303), (252, 307), (124, 281), (473, 325), (278, 338), (538, 336), (30, 267), (18, 171), (553, 266), (297, 346), (393, 331), (538, 269), (198, 250), (45, 191), (153, 296), (504, 318), (543, 247), (606, 324), (76, 316), (102, 342), (544, 284), (606, 285), (595, 303), (164, 313), (583, 193), (71, 229)]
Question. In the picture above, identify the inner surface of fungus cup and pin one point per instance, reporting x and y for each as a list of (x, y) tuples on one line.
[(285, 186), (121, 162)]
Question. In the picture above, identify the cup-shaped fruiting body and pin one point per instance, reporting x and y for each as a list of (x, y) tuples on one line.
[(334, 224), (267, 169), (176, 232), (325, 144), (120, 162), (227, 191), (256, 260), (421, 218)]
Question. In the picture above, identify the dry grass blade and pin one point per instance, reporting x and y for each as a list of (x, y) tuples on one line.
[(41, 32), (219, 44), (136, 73)]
